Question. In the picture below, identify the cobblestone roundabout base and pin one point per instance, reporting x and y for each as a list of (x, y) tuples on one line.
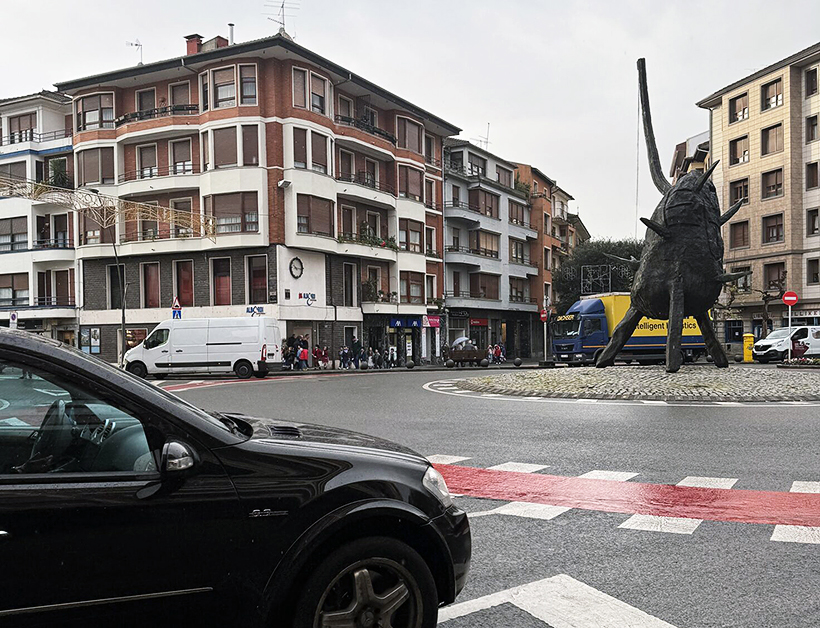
[(691, 383)]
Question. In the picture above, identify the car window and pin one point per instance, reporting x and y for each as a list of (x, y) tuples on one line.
[(50, 425), (158, 337)]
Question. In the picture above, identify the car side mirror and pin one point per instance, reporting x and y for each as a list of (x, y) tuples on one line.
[(177, 457)]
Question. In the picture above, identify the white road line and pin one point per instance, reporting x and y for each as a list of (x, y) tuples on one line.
[(561, 602), (654, 402), (702, 482), (195, 381), (520, 467), (618, 476), (524, 509), (443, 459), (460, 392), (799, 534), (490, 395)]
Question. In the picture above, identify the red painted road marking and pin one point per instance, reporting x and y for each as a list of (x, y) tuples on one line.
[(663, 500)]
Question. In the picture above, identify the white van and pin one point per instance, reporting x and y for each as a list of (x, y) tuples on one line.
[(775, 346), (246, 346)]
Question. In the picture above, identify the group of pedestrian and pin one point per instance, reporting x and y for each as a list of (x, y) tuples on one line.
[(355, 356), (496, 354), (295, 354)]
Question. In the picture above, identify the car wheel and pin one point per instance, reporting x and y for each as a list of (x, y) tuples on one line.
[(243, 369), (370, 582), (138, 369), (159, 375)]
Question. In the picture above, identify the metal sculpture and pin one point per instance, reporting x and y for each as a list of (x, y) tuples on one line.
[(680, 272)]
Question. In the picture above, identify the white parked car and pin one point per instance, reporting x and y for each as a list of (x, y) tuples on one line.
[(245, 346), (775, 346)]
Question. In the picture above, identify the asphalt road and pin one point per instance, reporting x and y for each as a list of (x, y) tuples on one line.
[(721, 573)]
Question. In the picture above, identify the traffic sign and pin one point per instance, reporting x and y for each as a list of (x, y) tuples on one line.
[(544, 316), (176, 305), (13, 320), (176, 314), (790, 298)]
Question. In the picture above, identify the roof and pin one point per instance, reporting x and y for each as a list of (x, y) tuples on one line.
[(579, 225), (564, 192), (56, 97), (278, 40), (536, 171), (803, 55), (454, 142)]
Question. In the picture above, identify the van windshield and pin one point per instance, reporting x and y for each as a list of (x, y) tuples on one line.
[(780, 333)]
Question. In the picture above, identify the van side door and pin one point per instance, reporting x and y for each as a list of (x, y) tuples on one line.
[(190, 352), (157, 351)]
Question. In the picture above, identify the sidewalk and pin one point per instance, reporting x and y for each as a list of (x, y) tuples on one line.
[(527, 363)]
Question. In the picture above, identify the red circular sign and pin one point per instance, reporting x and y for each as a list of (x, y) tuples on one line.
[(790, 298), (544, 315)]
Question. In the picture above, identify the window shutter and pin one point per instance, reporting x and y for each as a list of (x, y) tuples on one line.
[(182, 152), (319, 145), (150, 281), (299, 85), (107, 160), (300, 147), (250, 145), (20, 281), (414, 183), (225, 147), (321, 218)]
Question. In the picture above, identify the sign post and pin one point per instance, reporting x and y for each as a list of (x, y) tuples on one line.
[(176, 309), (544, 318), (790, 298)]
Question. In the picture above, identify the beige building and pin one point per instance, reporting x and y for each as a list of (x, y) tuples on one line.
[(764, 130)]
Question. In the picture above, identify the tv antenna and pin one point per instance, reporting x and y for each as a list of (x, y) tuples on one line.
[(136, 44), (285, 9), (483, 140)]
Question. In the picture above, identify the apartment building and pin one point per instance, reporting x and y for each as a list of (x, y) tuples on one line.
[(690, 156), (37, 279), (764, 130), (491, 254), (325, 192)]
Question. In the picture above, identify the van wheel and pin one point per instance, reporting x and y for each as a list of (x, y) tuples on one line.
[(138, 369), (243, 369), (159, 375)]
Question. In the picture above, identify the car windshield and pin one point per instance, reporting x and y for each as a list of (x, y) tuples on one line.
[(567, 329)]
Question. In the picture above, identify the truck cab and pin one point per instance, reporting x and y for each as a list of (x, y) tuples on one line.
[(581, 333)]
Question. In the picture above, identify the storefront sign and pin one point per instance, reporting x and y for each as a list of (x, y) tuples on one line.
[(255, 310), (309, 297), (409, 346), (459, 313), (479, 322), (406, 322), (431, 321), (95, 340)]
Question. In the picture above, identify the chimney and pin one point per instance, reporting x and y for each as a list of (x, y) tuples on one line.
[(194, 43), (230, 33)]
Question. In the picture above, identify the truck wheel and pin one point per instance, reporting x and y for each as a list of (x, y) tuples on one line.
[(138, 369), (243, 369)]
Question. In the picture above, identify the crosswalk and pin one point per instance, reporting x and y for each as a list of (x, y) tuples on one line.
[(528, 491)]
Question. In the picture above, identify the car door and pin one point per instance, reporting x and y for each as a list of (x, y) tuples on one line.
[(157, 350), (190, 350), (91, 528)]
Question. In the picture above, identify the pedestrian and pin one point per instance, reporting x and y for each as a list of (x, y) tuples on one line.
[(303, 359), (370, 363), (357, 351), (325, 357), (291, 342), (317, 357), (497, 354), (490, 354), (377, 359)]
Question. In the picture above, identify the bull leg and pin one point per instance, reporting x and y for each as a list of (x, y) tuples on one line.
[(621, 334), (674, 357), (712, 344)]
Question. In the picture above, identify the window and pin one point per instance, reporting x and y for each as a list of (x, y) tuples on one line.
[(147, 161), (456, 160), (483, 286), (773, 275), (257, 279), (181, 157), (546, 258), (518, 288), (372, 224), (739, 108), (744, 284), (224, 88), (429, 149), (148, 229), (771, 95), (224, 147), (299, 148), (349, 285), (813, 271), (206, 153), (772, 184), (484, 202), (811, 176), (184, 282), (318, 89), (346, 165), (734, 331), (146, 99), (250, 145), (456, 196), (181, 206), (16, 170), (811, 82), (739, 190), (456, 235), (314, 215), (371, 116), (221, 272), (478, 165), (348, 222), (411, 287), (236, 212), (503, 176), (811, 128), (371, 173), (409, 134), (773, 229), (429, 194), (318, 158), (96, 165), (94, 112), (517, 252), (739, 150), (771, 140), (14, 234), (456, 283), (410, 235), (739, 234), (484, 243), (14, 289), (345, 107), (247, 79), (430, 288), (812, 225), (410, 183), (116, 277), (299, 88), (516, 211), (205, 98), (430, 241), (150, 284), (180, 94), (21, 128)]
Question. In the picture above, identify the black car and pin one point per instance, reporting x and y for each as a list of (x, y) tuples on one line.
[(121, 504)]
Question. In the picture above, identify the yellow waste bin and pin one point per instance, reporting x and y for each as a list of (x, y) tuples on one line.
[(748, 343)]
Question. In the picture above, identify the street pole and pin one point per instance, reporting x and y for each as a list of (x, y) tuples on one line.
[(790, 332), (121, 281), (545, 328)]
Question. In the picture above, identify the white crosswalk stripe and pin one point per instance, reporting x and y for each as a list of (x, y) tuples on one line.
[(444, 459), (617, 476), (519, 467), (799, 534)]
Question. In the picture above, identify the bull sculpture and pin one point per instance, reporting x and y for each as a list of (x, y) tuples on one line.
[(680, 272)]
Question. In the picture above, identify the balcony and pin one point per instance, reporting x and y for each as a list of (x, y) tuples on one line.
[(520, 298), (157, 112), (432, 161), (31, 135), (468, 298), (54, 301), (52, 250), (59, 243), (473, 251), (431, 252), (155, 171), (366, 180), (371, 240), (364, 125), (523, 261)]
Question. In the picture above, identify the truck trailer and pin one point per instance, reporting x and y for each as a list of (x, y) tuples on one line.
[(580, 335)]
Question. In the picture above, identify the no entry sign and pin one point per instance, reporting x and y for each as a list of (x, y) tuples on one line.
[(544, 315), (790, 298)]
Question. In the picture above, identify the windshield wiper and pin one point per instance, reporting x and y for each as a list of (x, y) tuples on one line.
[(228, 422)]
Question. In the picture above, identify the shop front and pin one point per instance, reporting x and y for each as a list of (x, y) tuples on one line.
[(430, 338), (404, 333)]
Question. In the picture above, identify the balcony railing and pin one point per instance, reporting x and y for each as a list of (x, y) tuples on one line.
[(366, 179), (54, 301), (158, 112), (150, 172), (431, 252), (432, 205), (432, 161), (463, 205), (470, 170), (472, 250), (521, 223), (524, 261), (31, 135), (364, 125), (520, 298), (467, 294), (53, 243), (369, 240)]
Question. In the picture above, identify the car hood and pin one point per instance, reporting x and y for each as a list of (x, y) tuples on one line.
[(283, 431)]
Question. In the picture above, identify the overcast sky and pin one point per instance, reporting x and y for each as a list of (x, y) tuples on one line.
[(555, 80)]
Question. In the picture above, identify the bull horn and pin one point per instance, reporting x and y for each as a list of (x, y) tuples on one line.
[(730, 277), (705, 177), (659, 229), (727, 216), (658, 179), (631, 262)]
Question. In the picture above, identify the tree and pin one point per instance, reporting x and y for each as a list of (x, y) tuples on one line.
[(775, 292), (593, 253)]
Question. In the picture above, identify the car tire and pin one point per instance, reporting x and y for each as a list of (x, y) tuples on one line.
[(159, 375), (243, 369), (386, 570), (138, 369)]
